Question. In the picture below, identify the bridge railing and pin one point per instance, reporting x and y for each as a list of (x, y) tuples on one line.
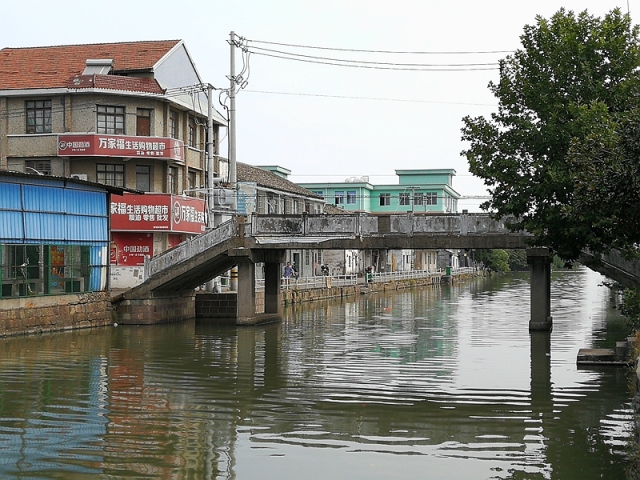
[(189, 248), (372, 225)]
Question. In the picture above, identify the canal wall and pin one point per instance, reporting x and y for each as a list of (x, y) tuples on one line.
[(28, 315), (224, 305)]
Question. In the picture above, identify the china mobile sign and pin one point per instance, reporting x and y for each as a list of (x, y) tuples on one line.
[(157, 212), (120, 146)]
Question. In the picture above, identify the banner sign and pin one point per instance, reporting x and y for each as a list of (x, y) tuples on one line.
[(156, 212), (120, 146), (129, 249)]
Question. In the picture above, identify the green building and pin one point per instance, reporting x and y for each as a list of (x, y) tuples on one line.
[(428, 190)]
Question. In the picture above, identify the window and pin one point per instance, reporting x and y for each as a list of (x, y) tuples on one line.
[(174, 128), (385, 199), (143, 122), (143, 178), (173, 180), (405, 199), (431, 198), (39, 116), (40, 166), (110, 174), (418, 199), (192, 133), (110, 119), (320, 193), (192, 179), (351, 197), (339, 197)]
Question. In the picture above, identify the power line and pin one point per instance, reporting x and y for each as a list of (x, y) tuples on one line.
[(367, 98), (348, 62), (378, 67), (384, 51)]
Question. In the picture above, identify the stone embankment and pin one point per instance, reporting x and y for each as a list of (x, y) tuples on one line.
[(223, 305), (28, 315)]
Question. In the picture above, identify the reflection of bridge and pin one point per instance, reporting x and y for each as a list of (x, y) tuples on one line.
[(168, 291)]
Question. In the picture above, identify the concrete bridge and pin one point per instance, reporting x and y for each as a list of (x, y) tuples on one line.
[(168, 291), (171, 278)]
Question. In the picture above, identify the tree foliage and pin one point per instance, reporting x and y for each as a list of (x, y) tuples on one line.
[(570, 73), (499, 260)]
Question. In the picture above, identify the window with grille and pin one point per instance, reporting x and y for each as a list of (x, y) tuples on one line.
[(40, 166), (431, 198), (385, 199), (110, 174), (38, 116), (405, 199), (110, 119), (351, 197)]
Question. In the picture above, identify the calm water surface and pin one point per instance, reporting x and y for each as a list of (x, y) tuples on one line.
[(438, 383)]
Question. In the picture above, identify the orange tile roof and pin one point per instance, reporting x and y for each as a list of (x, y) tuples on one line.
[(52, 67)]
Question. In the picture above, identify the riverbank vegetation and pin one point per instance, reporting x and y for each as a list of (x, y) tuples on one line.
[(510, 260)]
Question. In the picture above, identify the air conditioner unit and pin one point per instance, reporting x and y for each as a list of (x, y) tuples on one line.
[(78, 176), (223, 197)]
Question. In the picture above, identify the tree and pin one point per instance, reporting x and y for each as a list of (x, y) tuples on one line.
[(499, 260), (570, 70), (517, 260), (607, 180)]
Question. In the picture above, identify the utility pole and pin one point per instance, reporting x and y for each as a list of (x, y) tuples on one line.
[(210, 157), (233, 175)]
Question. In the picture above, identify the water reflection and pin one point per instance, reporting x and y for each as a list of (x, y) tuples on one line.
[(441, 382)]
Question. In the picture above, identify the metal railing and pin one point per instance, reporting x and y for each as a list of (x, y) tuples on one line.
[(303, 283), (381, 277)]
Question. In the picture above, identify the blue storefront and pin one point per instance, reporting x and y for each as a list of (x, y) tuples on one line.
[(54, 235)]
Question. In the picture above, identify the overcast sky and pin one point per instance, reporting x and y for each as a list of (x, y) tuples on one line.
[(325, 122)]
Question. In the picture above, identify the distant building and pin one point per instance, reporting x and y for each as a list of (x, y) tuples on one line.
[(419, 191), (267, 190)]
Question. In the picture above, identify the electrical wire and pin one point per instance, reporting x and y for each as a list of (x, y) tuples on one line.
[(382, 51), (379, 67), (347, 62)]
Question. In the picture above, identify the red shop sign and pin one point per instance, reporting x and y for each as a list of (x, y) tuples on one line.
[(157, 212), (120, 146)]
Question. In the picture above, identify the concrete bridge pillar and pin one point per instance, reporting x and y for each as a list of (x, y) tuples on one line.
[(540, 261), (272, 290), (246, 290), (272, 260)]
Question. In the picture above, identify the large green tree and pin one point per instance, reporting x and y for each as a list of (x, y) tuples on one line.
[(571, 71)]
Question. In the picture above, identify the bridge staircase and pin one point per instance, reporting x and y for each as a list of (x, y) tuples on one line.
[(167, 294)]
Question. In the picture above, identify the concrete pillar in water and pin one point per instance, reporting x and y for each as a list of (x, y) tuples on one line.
[(272, 291), (540, 261), (246, 289)]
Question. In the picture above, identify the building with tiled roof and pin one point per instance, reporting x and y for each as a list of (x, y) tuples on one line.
[(276, 194), (132, 115)]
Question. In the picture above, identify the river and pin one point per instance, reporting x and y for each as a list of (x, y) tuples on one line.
[(441, 382)]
